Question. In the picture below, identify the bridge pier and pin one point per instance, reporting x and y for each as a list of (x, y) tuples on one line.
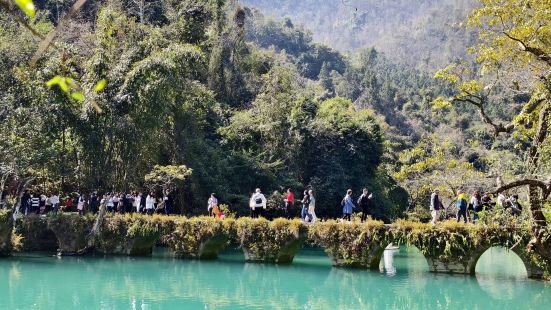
[(351, 244), (200, 238), (277, 241), (71, 231), (6, 228)]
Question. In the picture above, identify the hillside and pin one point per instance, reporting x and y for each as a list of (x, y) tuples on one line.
[(427, 34)]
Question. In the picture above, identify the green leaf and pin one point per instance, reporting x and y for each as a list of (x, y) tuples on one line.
[(100, 85), (26, 6), (54, 81), (78, 96)]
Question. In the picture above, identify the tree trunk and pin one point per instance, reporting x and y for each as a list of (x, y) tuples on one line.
[(536, 203)]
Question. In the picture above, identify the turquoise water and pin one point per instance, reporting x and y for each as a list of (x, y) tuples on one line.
[(41, 281)]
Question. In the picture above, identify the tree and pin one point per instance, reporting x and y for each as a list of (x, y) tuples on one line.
[(514, 62), (166, 177)]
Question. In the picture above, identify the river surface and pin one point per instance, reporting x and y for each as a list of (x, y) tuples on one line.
[(42, 281)]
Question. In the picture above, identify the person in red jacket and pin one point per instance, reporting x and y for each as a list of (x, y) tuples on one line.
[(289, 203)]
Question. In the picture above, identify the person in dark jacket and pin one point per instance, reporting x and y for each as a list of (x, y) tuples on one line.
[(25, 202), (365, 202), (169, 202), (94, 203)]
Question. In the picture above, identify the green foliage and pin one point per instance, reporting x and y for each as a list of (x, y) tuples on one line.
[(129, 234), (71, 230), (200, 237), (6, 227), (167, 176), (26, 6), (350, 244), (274, 241), (35, 234)]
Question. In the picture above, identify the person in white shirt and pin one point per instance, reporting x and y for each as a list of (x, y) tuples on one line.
[(136, 203), (109, 202), (211, 203), (257, 204), (312, 206), (80, 204), (54, 200), (150, 203)]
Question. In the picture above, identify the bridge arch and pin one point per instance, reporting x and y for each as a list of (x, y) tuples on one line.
[(532, 270)]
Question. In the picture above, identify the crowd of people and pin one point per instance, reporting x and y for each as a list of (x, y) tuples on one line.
[(468, 207), (364, 203), (469, 210), (123, 202)]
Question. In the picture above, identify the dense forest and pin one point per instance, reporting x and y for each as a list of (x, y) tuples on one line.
[(227, 96), (425, 34)]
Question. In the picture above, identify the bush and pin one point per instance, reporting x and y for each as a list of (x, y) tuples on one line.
[(6, 227), (200, 237), (270, 241), (71, 230), (130, 234), (351, 244), (35, 234)]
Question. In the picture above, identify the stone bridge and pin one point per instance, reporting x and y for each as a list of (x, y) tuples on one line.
[(449, 247)]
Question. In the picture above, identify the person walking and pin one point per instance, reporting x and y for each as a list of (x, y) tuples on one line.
[(54, 199), (435, 206), (35, 203), (116, 202), (94, 203), (312, 207), (81, 203), (25, 202), (109, 203), (347, 206), (365, 202), (516, 207), (150, 203), (289, 203), (143, 202), (461, 204), (476, 205), (48, 207), (211, 203), (169, 202), (137, 202), (257, 203), (305, 204)]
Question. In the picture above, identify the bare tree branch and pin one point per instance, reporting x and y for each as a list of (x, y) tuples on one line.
[(47, 41), (479, 103), (545, 186)]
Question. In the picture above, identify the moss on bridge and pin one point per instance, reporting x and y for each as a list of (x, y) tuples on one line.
[(129, 234), (274, 241), (36, 236), (6, 228), (448, 247), (200, 237)]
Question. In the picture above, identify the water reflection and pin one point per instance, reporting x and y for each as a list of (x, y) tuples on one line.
[(310, 283), (388, 260)]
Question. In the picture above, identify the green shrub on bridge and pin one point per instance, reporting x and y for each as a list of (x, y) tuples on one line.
[(6, 225), (36, 236), (454, 241), (131, 234), (351, 244), (199, 237), (71, 230), (274, 241)]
